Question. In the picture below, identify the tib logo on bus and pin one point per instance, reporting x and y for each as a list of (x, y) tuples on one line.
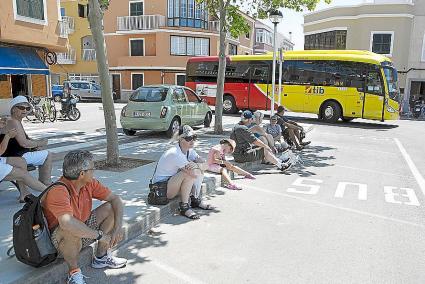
[(310, 90)]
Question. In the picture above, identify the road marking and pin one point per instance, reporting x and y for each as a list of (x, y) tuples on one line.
[(419, 178), (43, 131), (181, 275), (336, 207)]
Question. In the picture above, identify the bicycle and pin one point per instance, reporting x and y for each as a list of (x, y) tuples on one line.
[(49, 109), (36, 110)]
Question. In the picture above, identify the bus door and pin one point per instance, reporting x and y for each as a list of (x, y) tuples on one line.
[(374, 95), (258, 88)]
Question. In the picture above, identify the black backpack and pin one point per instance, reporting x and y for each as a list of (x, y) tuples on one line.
[(33, 251)]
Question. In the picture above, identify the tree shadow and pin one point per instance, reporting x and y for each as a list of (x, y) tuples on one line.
[(380, 126)]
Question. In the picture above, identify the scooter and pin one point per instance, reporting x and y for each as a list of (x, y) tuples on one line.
[(417, 109), (69, 108)]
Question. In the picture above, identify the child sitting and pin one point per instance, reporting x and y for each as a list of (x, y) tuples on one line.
[(217, 163)]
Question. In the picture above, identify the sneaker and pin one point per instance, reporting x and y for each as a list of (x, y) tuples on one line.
[(76, 278), (287, 166), (108, 261), (305, 143)]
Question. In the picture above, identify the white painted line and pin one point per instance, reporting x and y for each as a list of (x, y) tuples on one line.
[(55, 130), (179, 274), (419, 178), (337, 207)]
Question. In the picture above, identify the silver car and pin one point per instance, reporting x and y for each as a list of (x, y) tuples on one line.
[(84, 90)]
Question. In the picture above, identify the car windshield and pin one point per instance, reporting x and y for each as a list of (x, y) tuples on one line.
[(392, 82), (149, 94)]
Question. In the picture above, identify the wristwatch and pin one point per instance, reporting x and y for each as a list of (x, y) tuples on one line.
[(99, 235)]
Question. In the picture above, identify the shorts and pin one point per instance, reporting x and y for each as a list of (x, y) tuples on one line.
[(255, 154), (91, 223), (36, 158), (215, 168), (5, 169)]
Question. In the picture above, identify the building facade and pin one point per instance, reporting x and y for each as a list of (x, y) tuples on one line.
[(149, 41), (30, 34), (395, 28), (78, 62), (264, 39)]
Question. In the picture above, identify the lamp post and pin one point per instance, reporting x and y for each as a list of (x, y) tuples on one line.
[(280, 75), (275, 17)]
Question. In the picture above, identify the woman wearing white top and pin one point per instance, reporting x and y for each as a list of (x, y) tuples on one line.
[(183, 168)]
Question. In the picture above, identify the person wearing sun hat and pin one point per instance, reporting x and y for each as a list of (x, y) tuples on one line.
[(249, 148), (183, 168), (217, 163), (22, 146)]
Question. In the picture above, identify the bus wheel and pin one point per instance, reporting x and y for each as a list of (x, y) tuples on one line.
[(229, 105), (331, 112), (347, 119)]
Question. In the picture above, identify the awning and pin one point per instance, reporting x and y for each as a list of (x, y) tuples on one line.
[(17, 60)]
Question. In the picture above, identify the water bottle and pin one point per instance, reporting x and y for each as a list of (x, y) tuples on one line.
[(36, 231)]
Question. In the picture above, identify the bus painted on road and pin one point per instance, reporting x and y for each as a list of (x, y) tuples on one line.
[(333, 84)]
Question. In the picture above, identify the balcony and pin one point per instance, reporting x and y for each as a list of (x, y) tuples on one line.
[(67, 57), (63, 29), (145, 22), (70, 22), (88, 54), (214, 26)]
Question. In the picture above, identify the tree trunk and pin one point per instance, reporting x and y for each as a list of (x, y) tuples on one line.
[(218, 126), (96, 25)]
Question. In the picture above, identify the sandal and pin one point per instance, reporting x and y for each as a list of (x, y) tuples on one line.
[(250, 176), (198, 203), (233, 186), (185, 210)]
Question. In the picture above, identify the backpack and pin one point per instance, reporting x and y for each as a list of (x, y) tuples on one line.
[(35, 251)]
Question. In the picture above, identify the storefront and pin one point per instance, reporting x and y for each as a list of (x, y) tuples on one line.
[(22, 72)]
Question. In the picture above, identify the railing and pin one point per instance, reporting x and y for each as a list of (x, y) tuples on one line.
[(63, 29), (89, 54), (71, 23), (67, 57), (145, 22), (214, 26)]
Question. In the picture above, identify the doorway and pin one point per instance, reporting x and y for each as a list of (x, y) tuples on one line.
[(19, 85), (116, 86)]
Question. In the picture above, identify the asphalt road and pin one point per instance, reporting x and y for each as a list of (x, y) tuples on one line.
[(351, 213)]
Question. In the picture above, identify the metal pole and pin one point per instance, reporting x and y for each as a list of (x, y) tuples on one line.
[(280, 75), (273, 69)]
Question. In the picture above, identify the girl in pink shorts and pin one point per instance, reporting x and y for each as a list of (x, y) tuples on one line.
[(217, 163)]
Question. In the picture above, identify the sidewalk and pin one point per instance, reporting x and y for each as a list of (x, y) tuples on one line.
[(131, 185)]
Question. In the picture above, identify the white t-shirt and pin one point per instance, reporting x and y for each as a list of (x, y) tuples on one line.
[(171, 161)]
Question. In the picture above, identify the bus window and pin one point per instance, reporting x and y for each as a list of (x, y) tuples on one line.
[(391, 78), (374, 83), (260, 74)]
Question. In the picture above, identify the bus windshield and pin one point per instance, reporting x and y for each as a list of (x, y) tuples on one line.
[(392, 82)]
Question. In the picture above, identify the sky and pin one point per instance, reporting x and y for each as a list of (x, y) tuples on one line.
[(293, 21)]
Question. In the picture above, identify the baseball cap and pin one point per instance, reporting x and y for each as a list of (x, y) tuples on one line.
[(186, 131), (231, 142), (247, 114), (17, 101)]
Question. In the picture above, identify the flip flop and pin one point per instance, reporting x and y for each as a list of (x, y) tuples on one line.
[(250, 176), (232, 186)]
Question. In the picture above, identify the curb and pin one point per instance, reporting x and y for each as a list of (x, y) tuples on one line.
[(56, 272)]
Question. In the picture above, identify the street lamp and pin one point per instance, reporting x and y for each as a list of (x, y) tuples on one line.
[(275, 17)]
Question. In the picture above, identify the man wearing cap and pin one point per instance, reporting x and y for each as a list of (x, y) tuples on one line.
[(291, 128), (249, 148), (22, 146)]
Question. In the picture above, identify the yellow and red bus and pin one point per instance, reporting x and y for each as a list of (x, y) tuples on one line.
[(333, 84)]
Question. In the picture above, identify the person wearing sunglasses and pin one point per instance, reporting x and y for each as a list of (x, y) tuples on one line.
[(183, 169), (15, 168), (22, 146)]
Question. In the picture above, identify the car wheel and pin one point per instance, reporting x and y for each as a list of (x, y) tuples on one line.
[(331, 112), (174, 126), (57, 98), (129, 132), (229, 105), (207, 120)]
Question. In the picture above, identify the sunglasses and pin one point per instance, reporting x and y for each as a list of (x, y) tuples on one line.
[(191, 138), (27, 108)]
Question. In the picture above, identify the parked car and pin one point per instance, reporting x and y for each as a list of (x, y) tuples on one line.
[(84, 90), (164, 108), (57, 92)]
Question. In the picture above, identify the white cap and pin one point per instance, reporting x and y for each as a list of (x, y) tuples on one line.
[(18, 100), (186, 131)]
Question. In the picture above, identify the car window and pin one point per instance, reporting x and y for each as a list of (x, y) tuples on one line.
[(179, 96), (146, 94), (96, 87), (191, 97), (75, 85), (84, 86)]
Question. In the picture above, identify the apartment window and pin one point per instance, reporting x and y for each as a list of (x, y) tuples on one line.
[(326, 40), (137, 47), (381, 42), (136, 8), (233, 49), (30, 9), (83, 11), (63, 12), (137, 80), (187, 13), (423, 49), (263, 36), (247, 35), (180, 79), (181, 45)]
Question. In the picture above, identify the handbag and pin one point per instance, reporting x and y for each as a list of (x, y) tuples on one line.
[(157, 191)]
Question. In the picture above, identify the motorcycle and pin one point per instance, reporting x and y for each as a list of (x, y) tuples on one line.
[(69, 108), (417, 109)]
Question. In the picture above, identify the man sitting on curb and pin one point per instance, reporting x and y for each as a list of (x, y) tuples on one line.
[(291, 128), (73, 223), (249, 148)]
